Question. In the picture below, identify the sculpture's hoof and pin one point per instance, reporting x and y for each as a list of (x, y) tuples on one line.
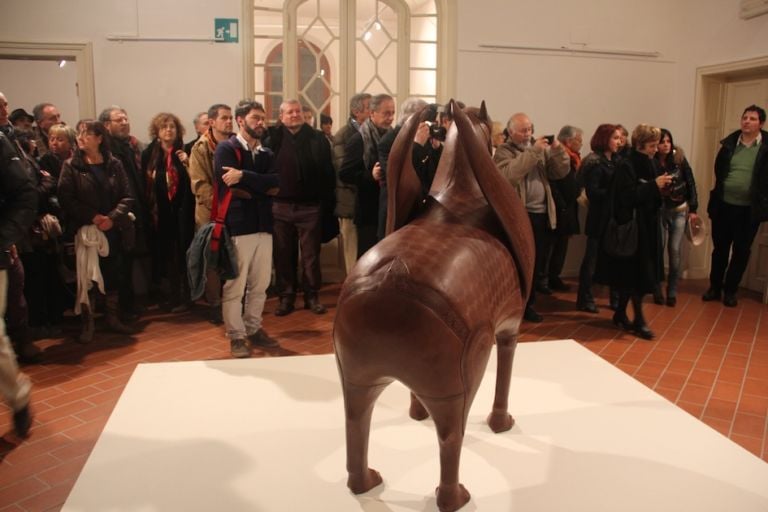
[(359, 484), (500, 421), (451, 497), (417, 411)]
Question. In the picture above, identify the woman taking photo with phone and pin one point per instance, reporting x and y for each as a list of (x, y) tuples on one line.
[(635, 197)]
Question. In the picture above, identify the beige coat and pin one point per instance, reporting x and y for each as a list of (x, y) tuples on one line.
[(201, 177), (515, 163)]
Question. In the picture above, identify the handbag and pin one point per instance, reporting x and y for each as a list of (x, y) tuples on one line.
[(619, 240)]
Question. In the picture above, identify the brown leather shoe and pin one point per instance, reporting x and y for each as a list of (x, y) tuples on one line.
[(240, 348)]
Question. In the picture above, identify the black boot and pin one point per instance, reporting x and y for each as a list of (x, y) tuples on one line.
[(312, 303), (639, 326), (658, 296), (620, 315), (613, 299), (88, 324), (285, 307), (113, 320)]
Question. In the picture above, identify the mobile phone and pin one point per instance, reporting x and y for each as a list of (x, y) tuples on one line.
[(549, 138)]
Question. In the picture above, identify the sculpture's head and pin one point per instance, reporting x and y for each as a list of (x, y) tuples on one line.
[(481, 123)]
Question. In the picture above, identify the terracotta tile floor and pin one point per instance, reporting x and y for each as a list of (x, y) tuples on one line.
[(710, 360)]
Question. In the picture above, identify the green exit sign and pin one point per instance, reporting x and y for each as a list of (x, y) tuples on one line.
[(225, 30)]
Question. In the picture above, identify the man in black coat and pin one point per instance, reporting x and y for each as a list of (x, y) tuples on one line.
[(126, 148), (307, 190), (18, 206), (737, 204), (361, 167), (565, 193)]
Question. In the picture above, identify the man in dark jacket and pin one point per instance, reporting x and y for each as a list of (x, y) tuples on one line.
[(307, 182), (245, 169), (737, 204), (565, 193), (125, 148), (359, 112), (18, 206), (361, 168)]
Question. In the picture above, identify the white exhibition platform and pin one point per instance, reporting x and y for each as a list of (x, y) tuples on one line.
[(268, 435)]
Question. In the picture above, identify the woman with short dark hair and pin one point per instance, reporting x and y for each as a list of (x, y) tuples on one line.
[(596, 174)]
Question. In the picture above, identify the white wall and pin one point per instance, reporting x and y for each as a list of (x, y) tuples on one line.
[(585, 91), (59, 85), (143, 77)]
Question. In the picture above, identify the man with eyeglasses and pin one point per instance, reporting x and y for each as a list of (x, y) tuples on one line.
[(127, 149)]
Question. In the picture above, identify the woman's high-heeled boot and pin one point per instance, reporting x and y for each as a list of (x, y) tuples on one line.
[(639, 326), (88, 324), (620, 316)]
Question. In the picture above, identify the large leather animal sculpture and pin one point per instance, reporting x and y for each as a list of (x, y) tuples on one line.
[(425, 305)]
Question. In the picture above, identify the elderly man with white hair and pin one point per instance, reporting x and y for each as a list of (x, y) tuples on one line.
[(530, 164)]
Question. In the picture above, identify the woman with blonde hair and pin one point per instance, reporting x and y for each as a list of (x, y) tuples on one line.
[(635, 194), (172, 207), (62, 143)]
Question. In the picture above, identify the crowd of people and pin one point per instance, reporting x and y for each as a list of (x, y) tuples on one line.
[(245, 206)]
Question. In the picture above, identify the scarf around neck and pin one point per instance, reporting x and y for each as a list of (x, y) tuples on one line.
[(371, 138)]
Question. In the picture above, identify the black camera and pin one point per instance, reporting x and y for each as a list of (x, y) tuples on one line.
[(550, 139), (677, 188), (434, 114)]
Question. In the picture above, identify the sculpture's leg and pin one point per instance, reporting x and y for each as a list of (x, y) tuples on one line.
[(417, 410), (499, 419), (358, 404), (450, 419)]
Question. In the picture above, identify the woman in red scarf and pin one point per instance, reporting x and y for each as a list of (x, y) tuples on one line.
[(164, 163)]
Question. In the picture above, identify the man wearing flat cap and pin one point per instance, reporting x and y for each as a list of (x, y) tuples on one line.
[(21, 119)]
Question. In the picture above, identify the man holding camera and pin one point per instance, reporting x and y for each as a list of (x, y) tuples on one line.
[(530, 164)]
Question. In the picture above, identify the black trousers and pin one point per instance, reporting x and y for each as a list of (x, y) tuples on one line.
[(587, 271), (543, 236), (296, 225), (557, 255), (43, 288), (733, 232)]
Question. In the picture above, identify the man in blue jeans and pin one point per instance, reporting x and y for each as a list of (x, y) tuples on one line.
[(737, 204)]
